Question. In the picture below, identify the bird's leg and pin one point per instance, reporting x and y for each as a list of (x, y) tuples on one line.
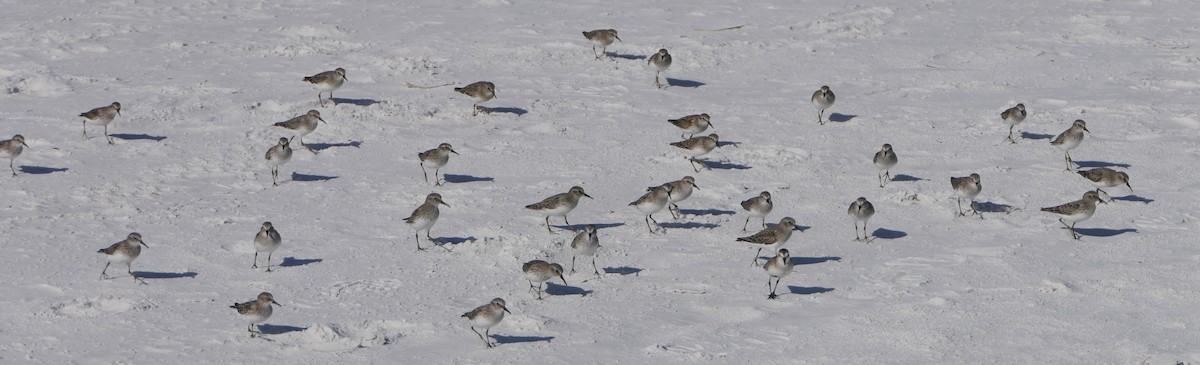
[(648, 224), (1010, 135), (10, 166), (85, 130), (673, 209), (437, 181), (331, 97), (488, 334), (275, 176), (880, 176), (745, 224), (319, 100), (110, 141), (1098, 190), (960, 211), (651, 218), (597, 270), (104, 273), (573, 256), (656, 83), (1073, 233), (426, 174), (764, 222), (971, 204), (594, 52), (821, 117), (756, 254), (255, 266), (692, 161), (474, 110), (548, 224), (417, 237), (530, 284), (539, 291), (485, 341), (565, 221), (856, 231), (268, 259)]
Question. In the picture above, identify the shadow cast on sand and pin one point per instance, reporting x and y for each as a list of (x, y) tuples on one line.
[(841, 118), (504, 109), (625, 56), (137, 137), (989, 207), (687, 225), (684, 83), (271, 329), (502, 339), (1030, 135), (813, 260), (623, 270), (459, 179), (722, 165), (304, 177), (1103, 232), (359, 102), (903, 177), (1133, 198), (807, 290), (706, 212), (888, 234), (557, 289), (292, 262), (164, 275), (325, 146), (1094, 164), (40, 170), (453, 240)]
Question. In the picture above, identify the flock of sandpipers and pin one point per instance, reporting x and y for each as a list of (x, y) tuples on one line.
[(586, 242)]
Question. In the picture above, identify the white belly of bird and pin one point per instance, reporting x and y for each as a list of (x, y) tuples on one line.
[(1071, 142), (680, 195), (100, 121), (1078, 216), (121, 258), (483, 97), (267, 246), (779, 271), (759, 212), (698, 151), (859, 217), (822, 103), (968, 193), (559, 211), (11, 154), (277, 161), (423, 223), (537, 277), (601, 42), (884, 164), (259, 317), (485, 321), (437, 163), (586, 250), (652, 206), (330, 86)]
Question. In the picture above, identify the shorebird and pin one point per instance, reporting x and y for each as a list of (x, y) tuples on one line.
[(559, 205), (1070, 138), (538, 271), (302, 126), (692, 124), (327, 81), (680, 190), (102, 116), (758, 206), (423, 218), (661, 61), (652, 202), (779, 266), (885, 160), (1013, 116), (436, 158), (772, 237), (123, 252), (486, 316), (966, 187), (822, 99), (479, 92), (696, 147), (256, 311), (278, 155), (1076, 211), (12, 148), (602, 38), (861, 210), (1104, 177), (267, 240), (585, 244)]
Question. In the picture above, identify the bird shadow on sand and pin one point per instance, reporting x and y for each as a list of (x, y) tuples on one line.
[(164, 275), (502, 339), (1133, 198), (813, 260), (841, 118), (305, 177), (623, 270), (40, 170), (1030, 135), (293, 262), (802, 290), (137, 137), (684, 83), (504, 109), (903, 177), (989, 207), (706, 212), (325, 146), (888, 234), (442, 241), (271, 329), (1103, 232), (359, 102), (459, 179), (579, 227), (625, 56), (556, 289), (687, 225), (1094, 164), (723, 165)]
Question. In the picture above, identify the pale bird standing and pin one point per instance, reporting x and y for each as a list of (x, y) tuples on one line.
[(585, 244), (559, 205), (759, 206), (479, 92), (1076, 211), (680, 190), (1104, 177), (861, 210), (698, 146), (102, 116), (267, 240), (822, 99), (771, 238), (661, 61), (885, 160), (423, 218), (12, 148), (538, 271), (692, 124), (278, 155), (487, 316), (966, 187), (602, 38), (779, 266), (436, 158), (1070, 138), (652, 202), (327, 81), (256, 311), (123, 252), (302, 125), (1013, 116)]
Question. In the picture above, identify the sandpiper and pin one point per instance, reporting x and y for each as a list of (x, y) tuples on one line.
[(1103, 177), (123, 252), (1013, 116), (278, 155), (680, 190), (822, 99), (861, 210), (436, 158), (538, 271), (327, 81), (692, 124), (267, 240), (652, 202), (559, 205), (771, 238), (480, 92), (661, 61), (758, 206), (12, 148), (1070, 138), (302, 125), (602, 38), (696, 147), (423, 218), (256, 311), (1076, 211), (966, 187), (585, 244), (779, 266), (486, 316), (885, 160), (102, 116)]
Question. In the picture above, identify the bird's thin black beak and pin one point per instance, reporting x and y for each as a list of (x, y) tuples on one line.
[(23, 144), (454, 152), (276, 303), (618, 38), (695, 186), (506, 309), (1086, 130), (1130, 187), (589, 196), (444, 203), (563, 279), (322, 120), (144, 244)]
